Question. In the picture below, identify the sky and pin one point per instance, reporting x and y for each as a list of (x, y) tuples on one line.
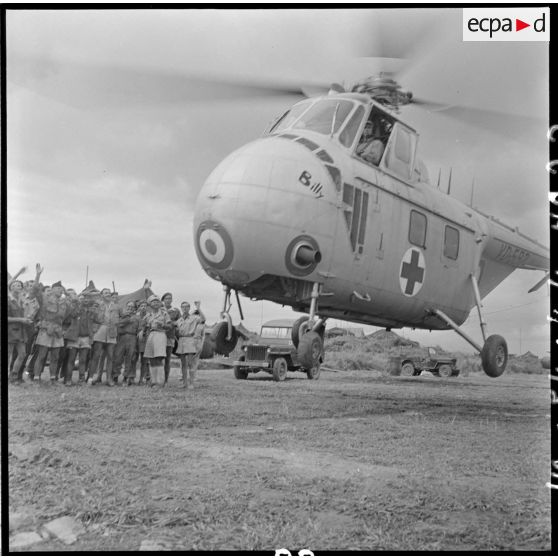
[(108, 145)]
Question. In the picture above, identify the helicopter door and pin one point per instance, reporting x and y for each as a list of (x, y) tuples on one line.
[(400, 152)]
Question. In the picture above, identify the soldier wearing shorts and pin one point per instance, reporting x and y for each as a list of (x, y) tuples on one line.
[(190, 329), (53, 310), (156, 326)]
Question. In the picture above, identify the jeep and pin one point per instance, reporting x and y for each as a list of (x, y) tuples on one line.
[(274, 352), (439, 365)]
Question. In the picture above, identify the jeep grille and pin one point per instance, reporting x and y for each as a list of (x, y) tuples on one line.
[(256, 352)]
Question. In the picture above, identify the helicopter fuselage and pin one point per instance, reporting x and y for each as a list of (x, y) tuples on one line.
[(299, 207)]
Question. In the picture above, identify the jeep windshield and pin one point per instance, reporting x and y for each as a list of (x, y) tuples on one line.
[(276, 332)]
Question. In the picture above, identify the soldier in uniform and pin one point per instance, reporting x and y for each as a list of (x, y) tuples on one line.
[(156, 324), (174, 314), (79, 334), (104, 340), (140, 346), (53, 310), (128, 328), (17, 329), (190, 341), (72, 301)]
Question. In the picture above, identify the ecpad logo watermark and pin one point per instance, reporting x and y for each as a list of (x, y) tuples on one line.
[(506, 24)]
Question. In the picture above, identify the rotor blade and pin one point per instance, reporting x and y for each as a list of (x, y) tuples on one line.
[(395, 34), (503, 123), (90, 86)]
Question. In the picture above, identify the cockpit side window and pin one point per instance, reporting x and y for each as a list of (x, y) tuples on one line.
[(320, 117), (290, 116), (347, 136), (375, 136)]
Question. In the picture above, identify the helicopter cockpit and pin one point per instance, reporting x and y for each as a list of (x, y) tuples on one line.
[(384, 142)]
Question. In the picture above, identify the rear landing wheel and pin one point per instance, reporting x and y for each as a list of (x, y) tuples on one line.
[(494, 356)]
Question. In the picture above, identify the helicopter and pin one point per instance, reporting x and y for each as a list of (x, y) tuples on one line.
[(332, 213)]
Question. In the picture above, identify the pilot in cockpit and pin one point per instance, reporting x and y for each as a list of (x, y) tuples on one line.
[(373, 140)]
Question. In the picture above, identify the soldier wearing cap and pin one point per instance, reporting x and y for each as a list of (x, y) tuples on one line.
[(156, 325), (174, 315), (53, 310)]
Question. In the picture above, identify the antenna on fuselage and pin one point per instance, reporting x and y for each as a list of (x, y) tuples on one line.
[(449, 182), (439, 176), (472, 191)]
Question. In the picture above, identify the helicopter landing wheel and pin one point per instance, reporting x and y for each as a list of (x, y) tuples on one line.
[(224, 346), (310, 350), (301, 326), (296, 332), (494, 356)]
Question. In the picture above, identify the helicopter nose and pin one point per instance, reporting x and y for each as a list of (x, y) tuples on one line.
[(264, 210)]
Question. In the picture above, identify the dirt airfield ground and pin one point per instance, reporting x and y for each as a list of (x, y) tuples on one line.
[(355, 460)]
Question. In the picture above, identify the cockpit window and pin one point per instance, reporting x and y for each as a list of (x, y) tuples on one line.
[(319, 118), (290, 116), (347, 136)]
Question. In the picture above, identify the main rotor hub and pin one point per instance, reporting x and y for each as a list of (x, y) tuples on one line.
[(383, 89)]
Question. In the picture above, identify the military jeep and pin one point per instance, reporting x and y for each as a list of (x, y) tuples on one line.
[(273, 352), (413, 365)]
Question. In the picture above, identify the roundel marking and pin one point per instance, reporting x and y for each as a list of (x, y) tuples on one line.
[(214, 245), (412, 272)]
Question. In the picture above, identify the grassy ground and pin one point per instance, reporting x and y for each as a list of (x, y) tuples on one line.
[(355, 460)]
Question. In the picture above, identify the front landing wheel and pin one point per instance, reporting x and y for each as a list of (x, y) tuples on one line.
[(310, 350), (494, 356), (224, 346)]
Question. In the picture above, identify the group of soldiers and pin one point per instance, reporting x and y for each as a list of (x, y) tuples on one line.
[(103, 331)]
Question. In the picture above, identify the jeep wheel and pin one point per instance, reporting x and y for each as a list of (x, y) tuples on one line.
[(407, 369), (280, 369), (445, 371), (240, 372), (310, 350), (314, 372)]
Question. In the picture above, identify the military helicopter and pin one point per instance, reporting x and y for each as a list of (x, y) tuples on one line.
[(331, 212)]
